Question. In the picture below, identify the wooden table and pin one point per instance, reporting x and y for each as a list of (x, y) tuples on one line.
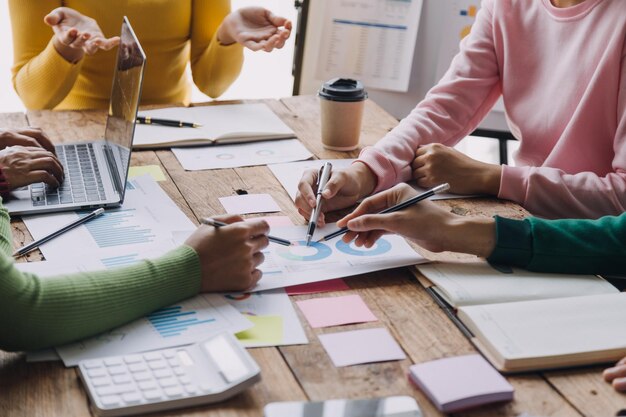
[(298, 373)]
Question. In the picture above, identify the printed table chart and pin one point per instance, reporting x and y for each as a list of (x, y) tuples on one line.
[(302, 372)]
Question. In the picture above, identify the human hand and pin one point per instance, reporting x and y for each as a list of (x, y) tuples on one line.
[(230, 255), (76, 35), (427, 224), (28, 137), (256, 28), (24, 165), (345, 188), (437, 164), (617, 375)]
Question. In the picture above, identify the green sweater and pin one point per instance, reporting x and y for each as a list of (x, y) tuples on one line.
[(568, 246), (38, 313)]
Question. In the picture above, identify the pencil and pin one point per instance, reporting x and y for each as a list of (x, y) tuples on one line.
[(147, 120), (423, 196), (33, 245), (216, 223)]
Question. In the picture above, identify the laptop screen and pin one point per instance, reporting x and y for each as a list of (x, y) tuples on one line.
[(125, 95)]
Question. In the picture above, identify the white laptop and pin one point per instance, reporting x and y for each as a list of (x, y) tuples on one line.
[(95, 171)]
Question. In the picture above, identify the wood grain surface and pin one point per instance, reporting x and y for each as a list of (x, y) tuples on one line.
[(299, 373)]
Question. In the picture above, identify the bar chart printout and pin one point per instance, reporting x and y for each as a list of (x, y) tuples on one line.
[(173, 321), (187, 322), (115, 228)]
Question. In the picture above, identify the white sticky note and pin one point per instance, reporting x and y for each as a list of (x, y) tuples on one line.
[(361, 346), (249, 203)]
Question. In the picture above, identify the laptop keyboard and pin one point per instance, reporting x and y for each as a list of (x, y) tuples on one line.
[(82, 184)]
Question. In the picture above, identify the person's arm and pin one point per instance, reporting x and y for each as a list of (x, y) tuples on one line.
[(451, 110), (574, 246), (41, 76), (214, 66), (38, 313)]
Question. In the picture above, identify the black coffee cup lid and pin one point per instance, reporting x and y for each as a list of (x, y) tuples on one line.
[(343, 89)]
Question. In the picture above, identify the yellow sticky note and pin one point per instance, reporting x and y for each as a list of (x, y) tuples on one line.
[(154, 170), (267, 331)]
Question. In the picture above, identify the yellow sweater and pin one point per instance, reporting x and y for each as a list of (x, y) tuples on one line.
[(172, 33)]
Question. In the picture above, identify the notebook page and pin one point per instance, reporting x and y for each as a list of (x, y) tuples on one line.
[(464, 284), (552, 333)]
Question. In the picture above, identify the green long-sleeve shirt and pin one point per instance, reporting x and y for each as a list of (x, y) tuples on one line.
[(38, 313), (569, 246)]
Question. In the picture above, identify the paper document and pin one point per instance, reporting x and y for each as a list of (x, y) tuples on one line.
[(300, 264), (336, 311), (249, 203), (369, 40), (241, 155), (120, 236), (289, 175), (361, 346), (273, 315), (219, 124), (187, 322)]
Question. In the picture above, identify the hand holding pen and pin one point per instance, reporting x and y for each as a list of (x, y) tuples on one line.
[(322, 180)]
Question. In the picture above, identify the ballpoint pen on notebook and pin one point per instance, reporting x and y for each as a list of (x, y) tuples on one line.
[(423, 196), (216, 223), (147, 120), (82, 220), (322, 179)]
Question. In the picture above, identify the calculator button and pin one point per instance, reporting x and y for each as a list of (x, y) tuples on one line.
[(110, 400), (174, 392), (131, 398), (179, 371), (206, 388), (169, 354), (116, 370), (152, 356), (157, 365), (168, 382), (191, 389), (133, 359), (112, 361), (154, 394), (137, 367), (92, 364), (173, 362), (162, 373), (93, 373), (122, 379), (142, 376), (101, 381), (115, 389), (184, 380), (147, 385)]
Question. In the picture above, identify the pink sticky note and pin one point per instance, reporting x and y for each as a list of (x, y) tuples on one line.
[(361, 346), (460, 382), (316, 287), (335, 311), (249, 203), (274, 221)]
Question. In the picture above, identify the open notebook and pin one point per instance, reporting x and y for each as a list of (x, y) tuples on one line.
[(232, 123), (524, 321)]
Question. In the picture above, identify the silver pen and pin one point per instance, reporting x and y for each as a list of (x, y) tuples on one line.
[(322, 179)]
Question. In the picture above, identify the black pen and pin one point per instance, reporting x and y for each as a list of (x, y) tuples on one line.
[(216, 223), (322, 178), (147, 120), (435, 190), (31, 246)]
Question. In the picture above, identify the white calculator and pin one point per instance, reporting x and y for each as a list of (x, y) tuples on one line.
[(203, 373)]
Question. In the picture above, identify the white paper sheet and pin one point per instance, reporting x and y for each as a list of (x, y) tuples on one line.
[(121, 236), (241, 155), (370, 40), (268, 303), (249, 204), (187, 322), (289, 175), (298, 264)]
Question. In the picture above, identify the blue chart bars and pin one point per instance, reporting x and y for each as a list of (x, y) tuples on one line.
[(115, 228), (123, 260), (171, 321)]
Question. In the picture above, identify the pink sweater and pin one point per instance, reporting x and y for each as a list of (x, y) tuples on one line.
[(562, 76)]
